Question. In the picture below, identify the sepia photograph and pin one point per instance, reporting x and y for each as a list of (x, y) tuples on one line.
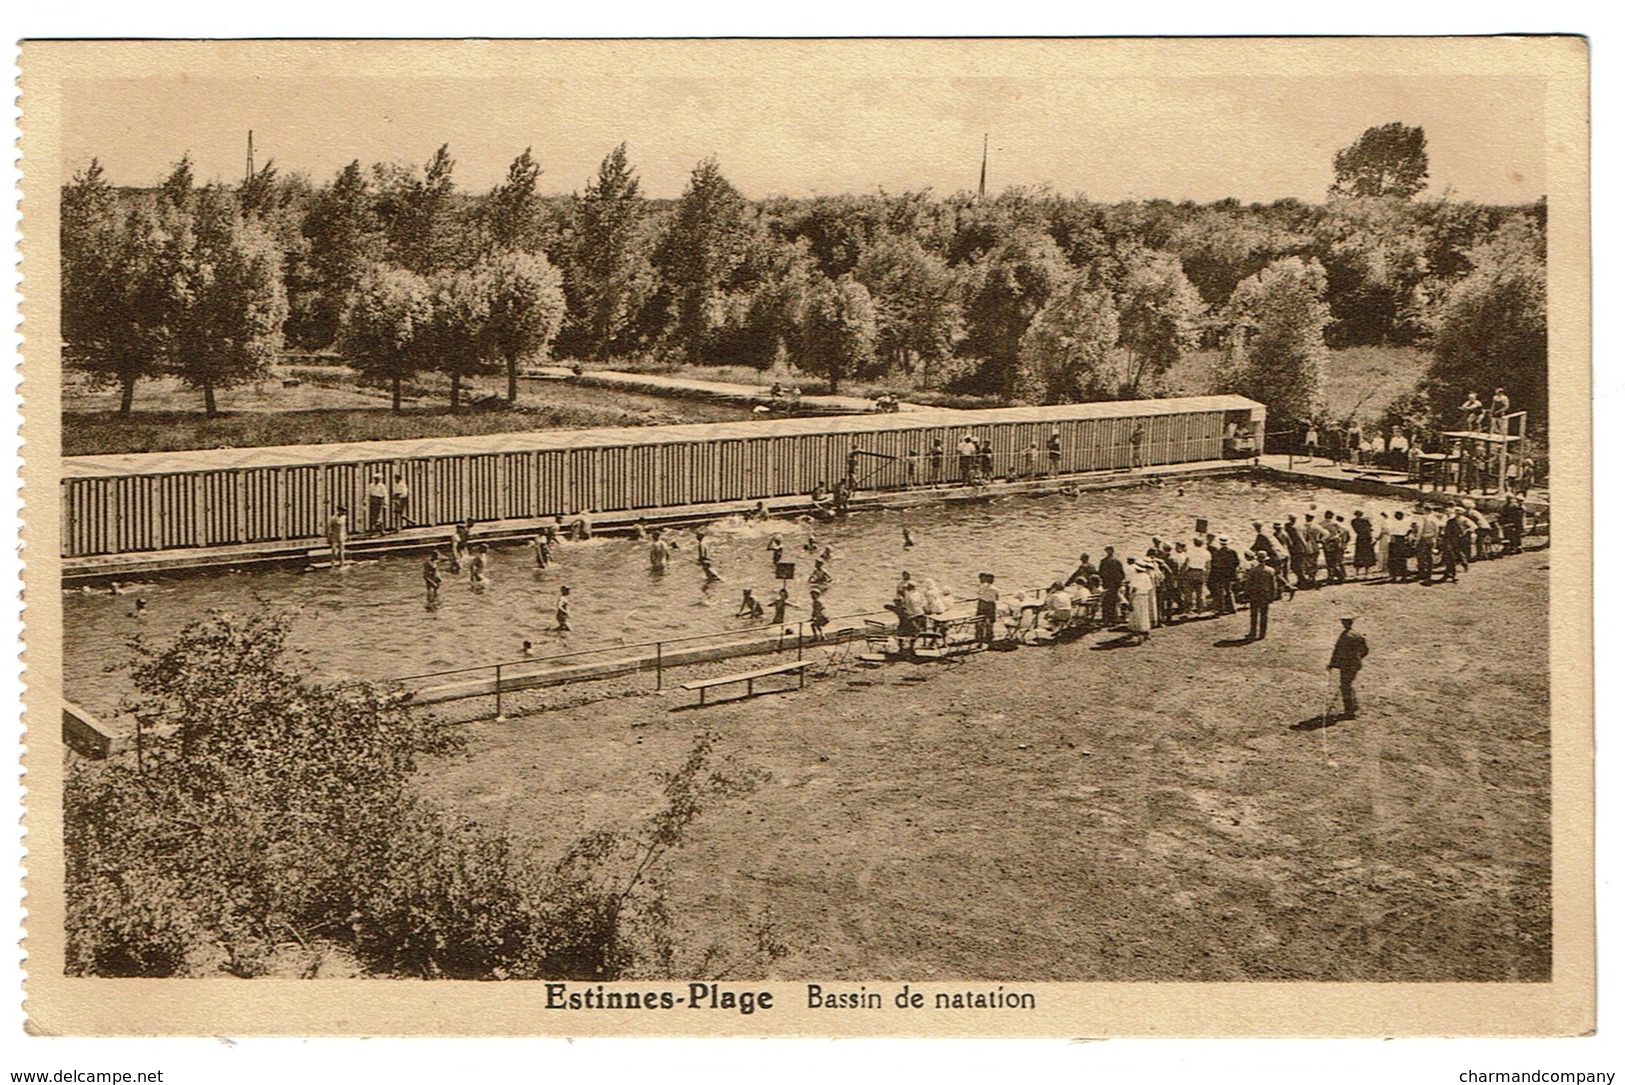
[(808, 537)]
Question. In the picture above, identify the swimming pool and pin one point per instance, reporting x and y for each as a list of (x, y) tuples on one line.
[(369, 620)]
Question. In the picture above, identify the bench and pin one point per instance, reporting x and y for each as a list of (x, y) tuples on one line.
[(798, 668)]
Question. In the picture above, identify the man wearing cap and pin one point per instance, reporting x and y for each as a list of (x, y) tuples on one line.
[(1111, 584), (1348, 656), (1258, 585), (1221, 577)]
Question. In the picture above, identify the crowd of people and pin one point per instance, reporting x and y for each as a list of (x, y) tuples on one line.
[(1173, 580), (1176, 580)]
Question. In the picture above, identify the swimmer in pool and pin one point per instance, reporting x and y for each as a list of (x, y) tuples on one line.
[(775, 548), (526, 650), (431, 581), (476, 569), (750, 607), (561, 609), (908, 540), (544, 550), (140, 610)]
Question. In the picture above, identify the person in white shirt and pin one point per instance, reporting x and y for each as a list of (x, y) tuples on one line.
[(377, 503), (1197, 560)]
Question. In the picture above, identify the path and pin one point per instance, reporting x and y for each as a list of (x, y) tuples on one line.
[(711, 389)]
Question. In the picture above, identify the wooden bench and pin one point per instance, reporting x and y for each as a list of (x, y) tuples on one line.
[(798, 668)]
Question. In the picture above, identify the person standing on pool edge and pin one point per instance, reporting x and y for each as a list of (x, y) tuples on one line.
[(1348, 656), (987, 607)]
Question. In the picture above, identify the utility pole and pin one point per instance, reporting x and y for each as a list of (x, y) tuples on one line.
[(248, 173), (981, 186)]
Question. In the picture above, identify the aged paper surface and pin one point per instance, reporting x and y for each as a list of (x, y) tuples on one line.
[(1539, 83)]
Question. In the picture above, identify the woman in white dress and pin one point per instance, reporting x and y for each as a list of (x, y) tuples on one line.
[(1138, 585), (1385, 533)]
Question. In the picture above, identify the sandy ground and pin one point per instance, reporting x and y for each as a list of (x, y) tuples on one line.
[(1084, 812)]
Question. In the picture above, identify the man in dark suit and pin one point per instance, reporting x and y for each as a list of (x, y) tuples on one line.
[(1348, 656), (1111, 586), (1259, 588), (1221, 577)]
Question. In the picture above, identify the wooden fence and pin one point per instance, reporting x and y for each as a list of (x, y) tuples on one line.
[(163, 501)]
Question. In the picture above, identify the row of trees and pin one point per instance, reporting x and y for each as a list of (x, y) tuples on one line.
[(1028, 296)]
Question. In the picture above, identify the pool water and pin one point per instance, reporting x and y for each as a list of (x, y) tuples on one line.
[(370, 621)]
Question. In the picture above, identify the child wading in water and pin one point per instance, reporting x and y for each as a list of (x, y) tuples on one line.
[(431, 580), (561, 609), (819, 617), (750, 607), (775, 548), (544, 549), (476, 569), (781, 603)]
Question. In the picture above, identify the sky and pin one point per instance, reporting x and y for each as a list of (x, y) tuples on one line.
[(1115, 138)]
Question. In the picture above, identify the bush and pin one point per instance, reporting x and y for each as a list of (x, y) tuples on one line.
[(268, 824)]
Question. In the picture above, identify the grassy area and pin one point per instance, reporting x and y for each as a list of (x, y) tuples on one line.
[(86, 433), (1360, 381)]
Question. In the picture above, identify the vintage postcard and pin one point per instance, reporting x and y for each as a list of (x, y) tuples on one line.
[(832, 538)]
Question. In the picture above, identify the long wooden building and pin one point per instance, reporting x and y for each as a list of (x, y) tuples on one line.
[(175, 500)]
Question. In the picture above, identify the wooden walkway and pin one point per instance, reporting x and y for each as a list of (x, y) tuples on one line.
[(745, 395)]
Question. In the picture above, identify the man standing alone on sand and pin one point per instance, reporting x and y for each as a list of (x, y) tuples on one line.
[(1348, 655), (1259, 586)]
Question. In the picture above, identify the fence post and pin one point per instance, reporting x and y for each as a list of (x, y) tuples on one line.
[(660, 674), (801, 635), (500, 716)]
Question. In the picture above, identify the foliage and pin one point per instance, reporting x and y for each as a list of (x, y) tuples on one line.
[(609, 276), (385, 330), (918, 317), (704, 245), (525, 308), (1066, 349), (232, 299), (1004, 289), (1275, 343), (838, 338), (343, 238), (458, 336), (269, 825), (510, 214), (420, 214), (1157, 317), (1490, 330), (119, 276), (1388, 160)]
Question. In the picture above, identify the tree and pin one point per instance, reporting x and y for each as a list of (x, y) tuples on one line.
[(610, 276), (1065, 351), (233, 302), (918, 318), (1490, 330), (420, 213), (176, 190), (343, 239), (703, 247), (1004, 290), (1391, 160), (511, 211), (526, 307), (838, 338), (459, 338), (1158, 311), (1275, 345), (118, 278), (385, 327)]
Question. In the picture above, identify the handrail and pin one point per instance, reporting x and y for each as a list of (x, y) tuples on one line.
[(658, 645)]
